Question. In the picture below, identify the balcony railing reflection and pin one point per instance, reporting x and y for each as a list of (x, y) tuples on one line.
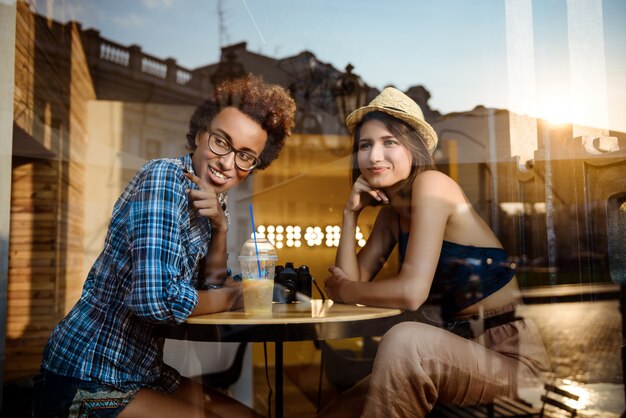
[(131, 62), (114, 54)]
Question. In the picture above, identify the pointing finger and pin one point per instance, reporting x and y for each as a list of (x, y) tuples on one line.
[(191, 176), (197, 180)]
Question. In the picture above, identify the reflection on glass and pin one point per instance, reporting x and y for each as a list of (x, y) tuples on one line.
[(532, 128)]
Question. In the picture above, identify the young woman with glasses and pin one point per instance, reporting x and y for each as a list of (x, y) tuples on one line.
[(166, 242)]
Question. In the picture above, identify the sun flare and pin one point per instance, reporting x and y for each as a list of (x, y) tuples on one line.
[(555, 109)]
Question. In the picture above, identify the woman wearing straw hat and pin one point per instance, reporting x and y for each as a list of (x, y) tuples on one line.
[(164, 259), (486, 350)]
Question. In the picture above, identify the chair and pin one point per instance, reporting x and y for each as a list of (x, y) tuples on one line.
[(501, 407), (225, 378), (217, 364), (344, 367), (508, 407), (548, 398)]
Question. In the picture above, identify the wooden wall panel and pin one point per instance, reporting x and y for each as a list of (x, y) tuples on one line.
[(53, 87)]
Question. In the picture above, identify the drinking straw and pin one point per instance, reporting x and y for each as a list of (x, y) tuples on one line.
[(256, 248)]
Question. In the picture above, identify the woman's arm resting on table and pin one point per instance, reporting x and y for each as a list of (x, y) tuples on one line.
[(227, 298), (388, 293)]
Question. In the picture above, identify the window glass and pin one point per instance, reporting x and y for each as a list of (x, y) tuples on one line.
[(527, 99)]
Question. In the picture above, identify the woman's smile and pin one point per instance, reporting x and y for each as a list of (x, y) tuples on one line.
[(217, 176), (377, 170)]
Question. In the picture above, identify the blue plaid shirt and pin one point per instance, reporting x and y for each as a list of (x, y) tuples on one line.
[(146, 275)]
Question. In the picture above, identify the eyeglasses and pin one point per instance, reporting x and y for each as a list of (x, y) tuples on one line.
[(222, 146)]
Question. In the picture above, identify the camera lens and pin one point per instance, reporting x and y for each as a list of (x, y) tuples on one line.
[(285, 286), (304, 283)]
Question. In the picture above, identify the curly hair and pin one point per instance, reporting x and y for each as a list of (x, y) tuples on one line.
[(267, 104)]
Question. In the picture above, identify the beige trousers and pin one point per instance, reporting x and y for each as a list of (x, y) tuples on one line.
[(419, 364)]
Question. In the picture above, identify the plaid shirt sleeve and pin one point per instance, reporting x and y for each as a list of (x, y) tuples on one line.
[(161, 284)]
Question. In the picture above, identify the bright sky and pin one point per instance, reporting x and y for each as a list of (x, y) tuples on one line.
[(457, 49)]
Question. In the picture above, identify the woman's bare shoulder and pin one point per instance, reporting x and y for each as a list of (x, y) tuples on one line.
[(436, 183), (435, 177)]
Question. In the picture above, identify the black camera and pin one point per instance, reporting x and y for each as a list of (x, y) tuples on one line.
[(289, 282)]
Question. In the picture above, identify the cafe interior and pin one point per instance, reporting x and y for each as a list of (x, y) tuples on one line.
[(83, 111)]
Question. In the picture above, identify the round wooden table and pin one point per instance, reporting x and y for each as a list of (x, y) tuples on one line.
[(318, 320)]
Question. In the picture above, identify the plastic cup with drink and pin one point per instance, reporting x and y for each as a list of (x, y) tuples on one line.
[(257, 260)]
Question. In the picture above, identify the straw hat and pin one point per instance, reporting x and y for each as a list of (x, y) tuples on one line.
[(397, 104)]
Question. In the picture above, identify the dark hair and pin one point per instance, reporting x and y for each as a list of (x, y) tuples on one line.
[(267, 104), (403, 132)]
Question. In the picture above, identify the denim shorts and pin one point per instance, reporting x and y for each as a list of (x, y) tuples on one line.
[(62, 396)]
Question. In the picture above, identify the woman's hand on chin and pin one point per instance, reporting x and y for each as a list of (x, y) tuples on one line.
[(337, 285), (363, 194)]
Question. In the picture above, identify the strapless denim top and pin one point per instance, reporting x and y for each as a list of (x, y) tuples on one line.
[(466, 274)]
